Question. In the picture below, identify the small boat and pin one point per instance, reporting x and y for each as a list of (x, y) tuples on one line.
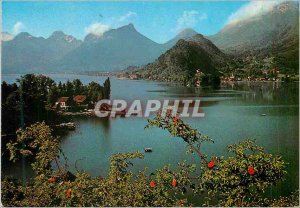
[(263, 114), (70, 125), (148, 149)]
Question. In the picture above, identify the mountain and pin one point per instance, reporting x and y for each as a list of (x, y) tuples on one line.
[(184, 34), (181, 62), (275, 33), (5, 36), (62, 42), (215, 54), (116, 49), (26, 53), (22, 53)]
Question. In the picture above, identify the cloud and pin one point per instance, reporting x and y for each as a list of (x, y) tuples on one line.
[(97, 29), (190, 19), (18, 27), (252, 9), (127, 16)]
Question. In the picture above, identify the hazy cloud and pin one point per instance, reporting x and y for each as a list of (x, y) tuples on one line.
[(97, 29), (127, 16), (18, 27), (190, 19), (252, 9)]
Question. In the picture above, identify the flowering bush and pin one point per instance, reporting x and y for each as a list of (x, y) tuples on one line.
[(237, 180)]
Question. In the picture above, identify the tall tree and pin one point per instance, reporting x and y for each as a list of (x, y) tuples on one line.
[(106, 90)]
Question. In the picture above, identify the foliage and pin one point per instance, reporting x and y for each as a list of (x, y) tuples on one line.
[(290, 201), (11, 192), (237, 180), (37, 139)]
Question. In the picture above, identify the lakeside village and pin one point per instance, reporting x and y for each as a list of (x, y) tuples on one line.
[(273, 76), (246, 69), (79, 101)]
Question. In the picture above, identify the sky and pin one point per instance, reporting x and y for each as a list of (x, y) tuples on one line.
[(159, 21)]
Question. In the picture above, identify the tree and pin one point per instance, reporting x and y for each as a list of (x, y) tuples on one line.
[(78, 87), (106, 89), (69, 89), (53, 95), (6, 89), (95, 92)]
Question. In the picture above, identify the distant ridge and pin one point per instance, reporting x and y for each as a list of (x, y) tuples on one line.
[(275, 33), (116, 49), (26, 53)]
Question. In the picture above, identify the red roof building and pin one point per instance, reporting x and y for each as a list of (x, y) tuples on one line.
[(79, 99)]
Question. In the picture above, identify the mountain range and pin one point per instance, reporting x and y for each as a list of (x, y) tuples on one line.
[(26, 53), (275, 33), (115, 50)]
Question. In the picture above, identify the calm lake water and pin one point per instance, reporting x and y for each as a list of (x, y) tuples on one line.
[(232, 113)]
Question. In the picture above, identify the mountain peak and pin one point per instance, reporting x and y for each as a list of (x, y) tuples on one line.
[(184, 34), (60, 35), (91, 38), (129, 27), (5, 36), (23, 35), (57, 34), (188, 32), (120, 30)]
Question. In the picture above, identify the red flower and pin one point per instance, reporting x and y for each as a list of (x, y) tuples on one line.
[(68, 193), (52, 179), (175, 119), (152, 184), (251, 171), (211, 164), (174, 182)]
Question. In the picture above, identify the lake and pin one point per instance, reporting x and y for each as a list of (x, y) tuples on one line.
[(232, 113)]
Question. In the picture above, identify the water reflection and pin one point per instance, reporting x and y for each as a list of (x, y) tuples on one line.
[(267, 92)]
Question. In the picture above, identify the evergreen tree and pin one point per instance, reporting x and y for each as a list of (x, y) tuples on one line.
[(106, 89)]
